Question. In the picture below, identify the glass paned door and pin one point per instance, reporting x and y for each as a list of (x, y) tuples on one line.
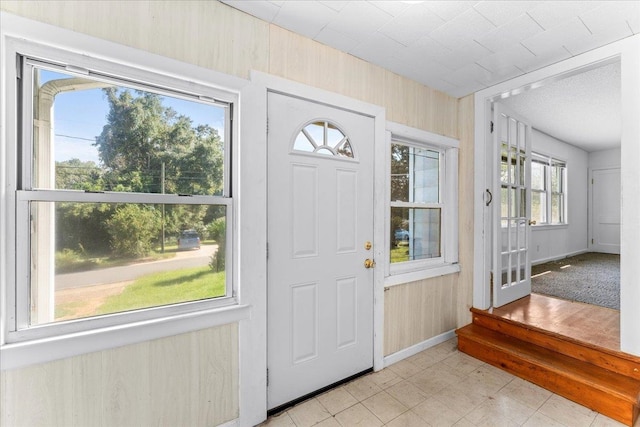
[(512, 209)]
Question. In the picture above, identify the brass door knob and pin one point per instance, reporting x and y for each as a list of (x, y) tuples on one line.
[(369, 263)]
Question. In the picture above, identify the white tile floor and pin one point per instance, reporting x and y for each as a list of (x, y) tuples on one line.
[(440, 387)]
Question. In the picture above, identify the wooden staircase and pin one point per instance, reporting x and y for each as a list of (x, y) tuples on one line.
[(601, 379)]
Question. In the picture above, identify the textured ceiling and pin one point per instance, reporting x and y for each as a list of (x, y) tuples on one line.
[(583, 110), (460, 47)]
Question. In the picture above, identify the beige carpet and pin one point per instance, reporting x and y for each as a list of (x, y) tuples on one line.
[(592, 278)]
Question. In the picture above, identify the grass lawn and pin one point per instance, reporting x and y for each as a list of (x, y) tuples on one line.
[(170, 287), (399, 254)]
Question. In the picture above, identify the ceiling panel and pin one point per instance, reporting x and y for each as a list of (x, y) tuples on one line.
[(458, 47)]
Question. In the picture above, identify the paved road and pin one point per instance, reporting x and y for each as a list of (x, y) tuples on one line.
[(187, 259)]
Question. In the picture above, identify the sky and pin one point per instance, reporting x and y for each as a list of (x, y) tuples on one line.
[(79, 117)]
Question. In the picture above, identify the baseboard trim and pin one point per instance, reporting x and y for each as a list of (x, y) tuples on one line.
[(417, 348), (558, 257)]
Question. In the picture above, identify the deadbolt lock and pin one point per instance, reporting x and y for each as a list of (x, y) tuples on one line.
[(367, 246), (369, 263)]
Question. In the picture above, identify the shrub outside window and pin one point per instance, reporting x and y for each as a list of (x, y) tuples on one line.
[(115, 174)]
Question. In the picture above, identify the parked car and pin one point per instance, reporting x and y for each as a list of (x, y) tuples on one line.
[(401, 236), (188, 239)]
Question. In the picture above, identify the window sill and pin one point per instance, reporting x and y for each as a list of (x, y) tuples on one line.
[(427, 273), (549, 227), (18, 355)]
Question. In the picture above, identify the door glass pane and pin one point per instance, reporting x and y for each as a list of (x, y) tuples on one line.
[(504, 172), (522, 234), (504, 202)]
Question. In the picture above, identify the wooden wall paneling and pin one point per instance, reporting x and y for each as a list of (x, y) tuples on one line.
[(87, 392), (171, 374), (306, 61), (125, 378), (417, 311), (466, 209), (216, 375), (36, 395), (211, 34)]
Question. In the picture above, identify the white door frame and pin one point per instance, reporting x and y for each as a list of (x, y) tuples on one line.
[(628, 50), (253, 187)]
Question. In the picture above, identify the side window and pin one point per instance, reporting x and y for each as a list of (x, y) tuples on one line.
[(422, 188), (416, 205), (548, 190), (124, 198)]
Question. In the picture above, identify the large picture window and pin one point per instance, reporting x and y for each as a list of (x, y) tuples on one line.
[(548, 190), (123, 199)]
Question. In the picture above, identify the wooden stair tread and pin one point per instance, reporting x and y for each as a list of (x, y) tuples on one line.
[(623, 387), (616, 361), (498, 318)]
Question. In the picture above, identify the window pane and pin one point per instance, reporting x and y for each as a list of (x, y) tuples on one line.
[(99, 136), (557, 209), (557, 177), (415, 174), (91, 259), (538, 174), (539, 207), (415, 233), (400, 173)]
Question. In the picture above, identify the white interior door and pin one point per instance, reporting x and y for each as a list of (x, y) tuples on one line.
[(512, 207), (605, 200), (320, 218)]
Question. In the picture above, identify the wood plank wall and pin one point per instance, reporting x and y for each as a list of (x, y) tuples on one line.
[(215, 36), (190, 380)]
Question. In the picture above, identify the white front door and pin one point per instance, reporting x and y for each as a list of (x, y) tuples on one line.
[(512, 207), (320, 218), (605, 200)]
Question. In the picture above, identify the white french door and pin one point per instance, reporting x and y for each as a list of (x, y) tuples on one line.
[(320, 232), (511, 276)]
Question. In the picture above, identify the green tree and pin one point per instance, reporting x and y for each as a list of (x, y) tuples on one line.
[(132, 229), (142, 135)]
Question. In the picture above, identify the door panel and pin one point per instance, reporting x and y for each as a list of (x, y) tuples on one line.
[(606, 210), (512, 208), (320, 215)]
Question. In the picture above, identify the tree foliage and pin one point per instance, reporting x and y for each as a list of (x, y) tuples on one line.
[(142, 135), (146, 147), (132, 229)]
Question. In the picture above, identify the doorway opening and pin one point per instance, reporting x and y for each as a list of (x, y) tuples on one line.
[(624, 53)]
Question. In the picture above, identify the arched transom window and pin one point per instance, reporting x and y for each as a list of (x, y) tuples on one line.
[(323, 137)]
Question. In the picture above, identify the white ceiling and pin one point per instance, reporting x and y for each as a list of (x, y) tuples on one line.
[(583, 110), (460, 47)]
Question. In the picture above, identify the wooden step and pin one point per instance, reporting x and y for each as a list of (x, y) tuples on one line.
[(615, 361), (610, 393)]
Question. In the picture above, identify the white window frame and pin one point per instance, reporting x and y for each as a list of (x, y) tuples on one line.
[(20, 346), (550, 162), (408, 271)]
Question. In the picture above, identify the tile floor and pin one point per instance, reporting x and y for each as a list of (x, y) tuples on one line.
[(439, 387)]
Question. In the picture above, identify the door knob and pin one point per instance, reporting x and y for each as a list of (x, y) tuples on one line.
[(532, 222), (369, 263)]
